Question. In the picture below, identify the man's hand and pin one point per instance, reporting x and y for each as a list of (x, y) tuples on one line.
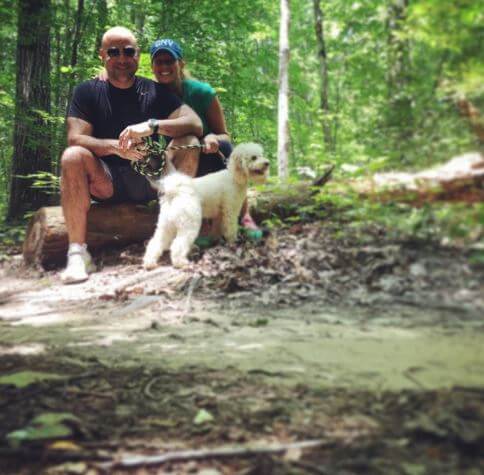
[(210, 143), (133, 134), (132, 154)]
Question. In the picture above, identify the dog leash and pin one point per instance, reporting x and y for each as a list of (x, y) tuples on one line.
[(153, 163)]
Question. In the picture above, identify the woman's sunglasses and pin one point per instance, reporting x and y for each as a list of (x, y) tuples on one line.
[(128, 51)]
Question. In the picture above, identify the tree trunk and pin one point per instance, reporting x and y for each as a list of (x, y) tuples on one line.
[(74, 49), (102, 21), (283, 104), (32, 133), (400, 117), (472, 114), (77, 33), (323, 68)]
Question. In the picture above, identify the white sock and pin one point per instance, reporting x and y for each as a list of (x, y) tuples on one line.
[(75, 247)]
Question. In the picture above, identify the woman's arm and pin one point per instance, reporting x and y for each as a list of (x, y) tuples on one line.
[(216, 124)]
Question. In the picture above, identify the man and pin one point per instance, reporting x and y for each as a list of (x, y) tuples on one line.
[(95, 165)]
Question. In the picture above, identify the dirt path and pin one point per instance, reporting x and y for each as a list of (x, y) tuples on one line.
[(375, 348)]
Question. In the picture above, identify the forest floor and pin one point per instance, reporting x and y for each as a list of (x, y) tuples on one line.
[(370, 349)]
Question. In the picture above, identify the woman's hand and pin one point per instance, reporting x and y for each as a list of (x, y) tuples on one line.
[(210, 143), (103, 75), (133, 134)]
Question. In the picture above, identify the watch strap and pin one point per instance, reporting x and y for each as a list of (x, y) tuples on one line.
[(153, 125)]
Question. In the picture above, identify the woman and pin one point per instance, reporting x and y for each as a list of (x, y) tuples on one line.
[(168, 67)]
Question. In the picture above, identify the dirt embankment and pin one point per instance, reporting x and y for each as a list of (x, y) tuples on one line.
[(371, 347)]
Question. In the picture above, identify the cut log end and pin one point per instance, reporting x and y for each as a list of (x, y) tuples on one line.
[(34, 239)]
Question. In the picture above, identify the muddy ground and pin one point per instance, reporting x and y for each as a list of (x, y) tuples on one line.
[(367, 348)]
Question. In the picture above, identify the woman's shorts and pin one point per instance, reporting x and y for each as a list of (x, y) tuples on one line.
[(213, 162)]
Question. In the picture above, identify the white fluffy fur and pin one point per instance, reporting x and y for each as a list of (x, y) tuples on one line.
[(223, 193), (178, 224), (218, 196)]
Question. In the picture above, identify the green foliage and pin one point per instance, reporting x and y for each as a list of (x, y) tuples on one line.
[(12, 235), (45, 426), (45, 181), (23, 379), (203, 417), (379, 120), (444, 222)]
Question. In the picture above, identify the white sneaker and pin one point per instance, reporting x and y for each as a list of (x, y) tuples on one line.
[(79, 265)]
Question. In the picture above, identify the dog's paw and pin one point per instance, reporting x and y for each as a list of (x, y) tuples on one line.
[(149, 265), (180, 262)]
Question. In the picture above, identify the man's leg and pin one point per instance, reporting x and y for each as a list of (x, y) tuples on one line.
[(185, 161), (82, 175)]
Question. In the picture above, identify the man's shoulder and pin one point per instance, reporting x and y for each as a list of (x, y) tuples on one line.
[(90, 86)]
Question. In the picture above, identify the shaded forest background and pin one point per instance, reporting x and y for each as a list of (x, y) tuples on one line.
[(374, 84)]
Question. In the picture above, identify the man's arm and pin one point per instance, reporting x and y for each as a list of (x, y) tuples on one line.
[(79, 132), (182, 121)]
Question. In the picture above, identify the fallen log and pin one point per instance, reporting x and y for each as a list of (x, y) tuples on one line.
[(107, 225), (121, 224), (459, 180)]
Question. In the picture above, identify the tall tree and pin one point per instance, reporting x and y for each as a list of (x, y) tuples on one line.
[(77, 32), (283, 103), (32, 132), (102, 20), (76, 39), (323, 71), (399, 71)]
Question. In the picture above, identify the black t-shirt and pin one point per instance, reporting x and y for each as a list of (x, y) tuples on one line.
[(110, 109)]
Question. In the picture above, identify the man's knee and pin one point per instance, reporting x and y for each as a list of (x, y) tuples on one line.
[(186, 140), (74, 157)]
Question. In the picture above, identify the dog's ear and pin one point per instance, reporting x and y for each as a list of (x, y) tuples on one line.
[(238, 167)]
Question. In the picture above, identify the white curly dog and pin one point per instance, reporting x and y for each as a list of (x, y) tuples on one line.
[(218, 196)]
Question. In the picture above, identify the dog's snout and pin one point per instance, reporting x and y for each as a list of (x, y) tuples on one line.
[(266, 164)]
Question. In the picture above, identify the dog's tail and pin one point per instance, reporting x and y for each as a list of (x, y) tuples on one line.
[(159, 183), (173, 184)]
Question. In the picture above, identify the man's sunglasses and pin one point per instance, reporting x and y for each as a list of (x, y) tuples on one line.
[(164, 62), (128, 51)]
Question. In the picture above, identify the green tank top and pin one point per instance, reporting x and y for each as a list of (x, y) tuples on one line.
[(198, 95)]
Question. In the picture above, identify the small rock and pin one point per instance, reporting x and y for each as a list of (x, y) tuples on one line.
[(417, 269)]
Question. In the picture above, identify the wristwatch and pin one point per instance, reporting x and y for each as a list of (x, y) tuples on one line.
[(153, 125)]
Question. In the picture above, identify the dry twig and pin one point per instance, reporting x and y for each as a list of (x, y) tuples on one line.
[(221, 452)]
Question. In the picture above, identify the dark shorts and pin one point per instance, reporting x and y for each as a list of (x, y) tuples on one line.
[(130, 186), (213, 162)]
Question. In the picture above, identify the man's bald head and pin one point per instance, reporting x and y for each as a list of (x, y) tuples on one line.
[(120, 55), (118, 33)]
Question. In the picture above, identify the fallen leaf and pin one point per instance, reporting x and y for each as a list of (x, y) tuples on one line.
[(203, 417)]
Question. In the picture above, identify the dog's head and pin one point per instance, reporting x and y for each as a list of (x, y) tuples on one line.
[(247, 162)]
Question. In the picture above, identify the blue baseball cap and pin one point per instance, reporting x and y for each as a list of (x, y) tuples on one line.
[(170, 46)]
